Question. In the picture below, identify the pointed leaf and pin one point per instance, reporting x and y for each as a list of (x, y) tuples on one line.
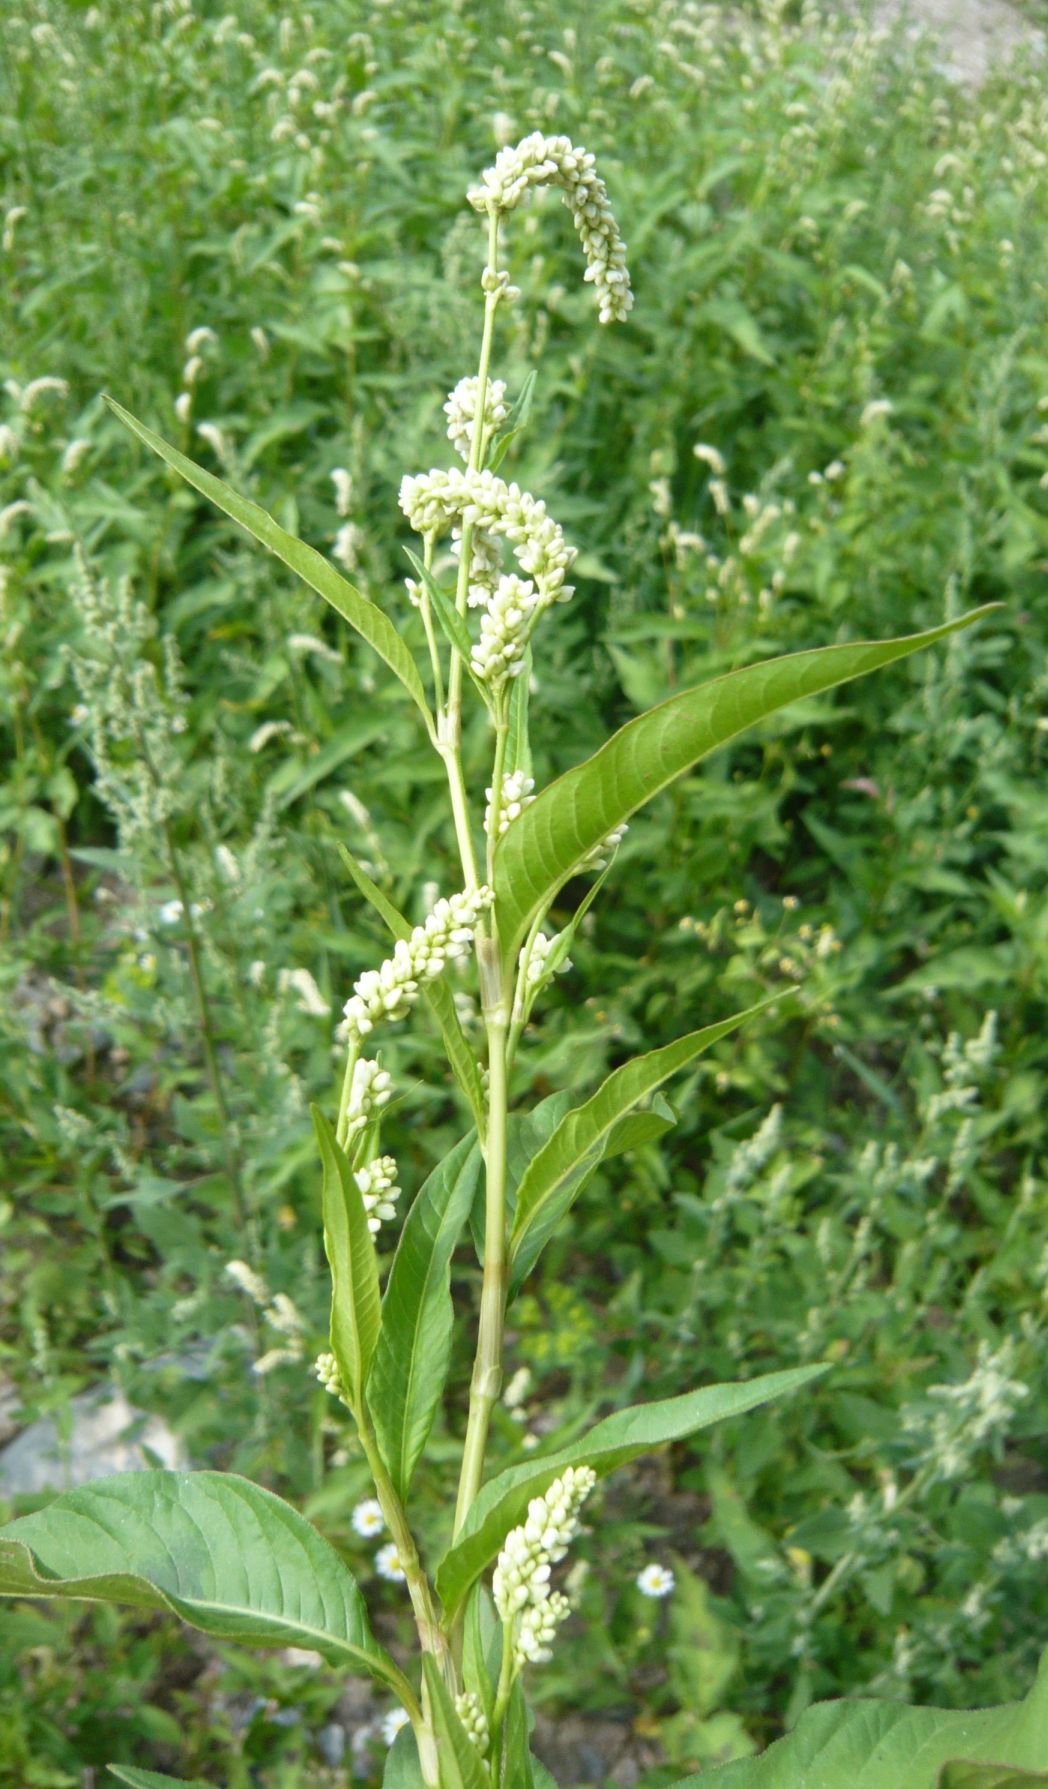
[(865, 1744), (414, 1347), (460, 1762), (546, 844), (502, 1503), (151, 1779), (481, 1649), (437, 995), (355, 1311), (369, 621), (227, 1556), (555, 1176), (403, 1770), (453, 624)]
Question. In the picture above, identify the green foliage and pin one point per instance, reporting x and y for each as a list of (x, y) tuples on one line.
[(876, 1745), (820, 226), (224, 1554)]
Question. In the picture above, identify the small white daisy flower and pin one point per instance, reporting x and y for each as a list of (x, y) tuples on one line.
[(368, 1519), (387, 1564), (656, 1581), (392, 1723)]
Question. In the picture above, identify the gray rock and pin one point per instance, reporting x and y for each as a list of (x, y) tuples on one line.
[(100, 1433)]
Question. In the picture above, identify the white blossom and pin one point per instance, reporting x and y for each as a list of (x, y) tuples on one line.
[(377, 1184), (656, 1581), (432, 501), (38, 388), (538, 958), (370, 1089), (184, 406), (310, 999), (391, 1723), (367, 1518), (326, 1370), (505, 629), (516, 796), (249, 1281), (521, 1582), (388, 992), (710, 457), (343, 483), (553, 161), (485, 564), (461, 411), (475, 1721), (387, 1564), (267, 731), (200, 338)]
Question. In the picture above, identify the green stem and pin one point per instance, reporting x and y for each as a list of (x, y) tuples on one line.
[(431, 638), (352, 1058), (497, 774), (505, 1683), (487, 1366), (427, 1619)]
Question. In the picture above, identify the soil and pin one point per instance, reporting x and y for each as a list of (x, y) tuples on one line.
[(974, 34)]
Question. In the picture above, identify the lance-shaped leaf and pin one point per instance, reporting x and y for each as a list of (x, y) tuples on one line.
[(355, 1309), (461, 1766), (414, 1346), (403, 1770), (548, 842), (554, 1177), (437, 995), (368, 621), (503, 1502), (227, 1556), (864, 1744), (151, 1779)]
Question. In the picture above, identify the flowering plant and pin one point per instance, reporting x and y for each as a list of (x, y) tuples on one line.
[(229, 1556)]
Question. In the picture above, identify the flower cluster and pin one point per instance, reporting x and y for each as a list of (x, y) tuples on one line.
[(370, 1089), (377, 1182), (475, 1721), (461, 412), (521, 1585), (553, 161), (608, 845), (516, 796), (505, 629), (388, 992), (433, 500), (538, 958), (485, 564), (325, 1367)]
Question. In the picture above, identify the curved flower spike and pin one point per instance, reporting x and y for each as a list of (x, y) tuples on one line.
[(554, 161)]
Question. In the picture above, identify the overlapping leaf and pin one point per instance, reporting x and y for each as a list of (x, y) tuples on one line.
[(368, 621), (503, 1501), (864, 1744), (414, 1345), (227, 1556), (555, 1176), (355, 1308), (549, 841)]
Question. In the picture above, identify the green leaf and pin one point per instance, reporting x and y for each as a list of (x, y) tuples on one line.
[(866, 1744), (453, 624), (151, 1779), (516, 421), (437, 995), (461, 1766), (989, 1776), (481, 1648), (503, 1502), (227, 1556), (414, 1346), (546, 844), (556, 1175), (355, 1312), (369, 621), (403, 1770)]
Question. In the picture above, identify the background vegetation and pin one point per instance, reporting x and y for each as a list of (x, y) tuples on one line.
[(250, 229)]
